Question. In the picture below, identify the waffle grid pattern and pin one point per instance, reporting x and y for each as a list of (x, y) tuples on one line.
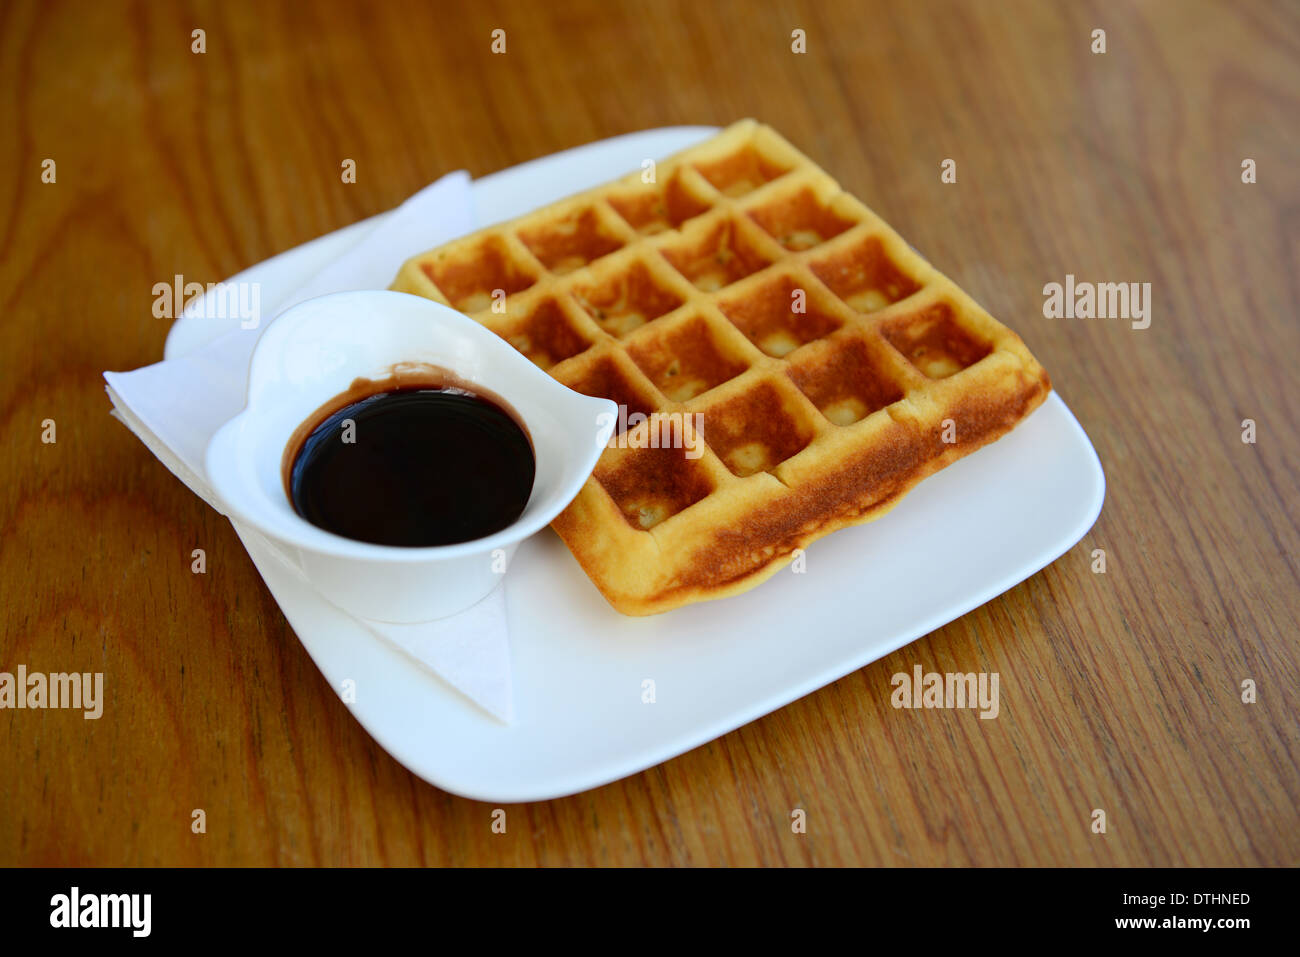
[(832, 366)]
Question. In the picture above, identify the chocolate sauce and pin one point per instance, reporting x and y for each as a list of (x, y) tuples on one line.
[(424, 464)]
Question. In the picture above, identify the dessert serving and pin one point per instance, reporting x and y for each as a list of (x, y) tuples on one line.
[(785, 364)]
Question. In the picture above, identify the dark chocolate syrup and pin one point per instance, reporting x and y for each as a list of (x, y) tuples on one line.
[(426, 466)]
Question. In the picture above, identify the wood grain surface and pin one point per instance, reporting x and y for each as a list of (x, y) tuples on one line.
[(1120, 691)]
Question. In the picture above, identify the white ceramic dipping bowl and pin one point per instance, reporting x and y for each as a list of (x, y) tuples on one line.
[(312, 353)]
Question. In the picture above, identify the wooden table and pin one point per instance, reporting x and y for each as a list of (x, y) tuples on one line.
[(1121, 691)]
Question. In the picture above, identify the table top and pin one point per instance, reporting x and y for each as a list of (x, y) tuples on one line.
[(1163, 691)]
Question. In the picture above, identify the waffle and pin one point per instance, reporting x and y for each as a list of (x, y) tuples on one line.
[(831, 366)]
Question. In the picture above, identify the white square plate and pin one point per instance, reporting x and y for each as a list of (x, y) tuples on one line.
[(968, 534)]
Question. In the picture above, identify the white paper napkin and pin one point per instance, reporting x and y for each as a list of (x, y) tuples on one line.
[(175, 406)]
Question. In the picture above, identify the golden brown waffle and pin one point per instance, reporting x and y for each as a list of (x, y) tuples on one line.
[(683, 296)]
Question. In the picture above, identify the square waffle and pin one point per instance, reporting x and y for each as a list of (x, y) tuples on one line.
[(830, 367)]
